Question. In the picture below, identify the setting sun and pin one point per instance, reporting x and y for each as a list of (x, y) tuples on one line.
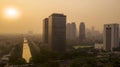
[(11, 13)]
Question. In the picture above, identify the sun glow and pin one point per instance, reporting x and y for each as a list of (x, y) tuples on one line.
[(11, 13)]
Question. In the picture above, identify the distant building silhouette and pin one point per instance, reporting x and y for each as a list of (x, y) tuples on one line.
[(82, 32), (57, 32), (93, 35), (45, 30), (30, 33), (93, 28), (71, 31), (68, 31), (111, 36)]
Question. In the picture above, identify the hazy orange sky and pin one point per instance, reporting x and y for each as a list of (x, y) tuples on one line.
[(92, 12)]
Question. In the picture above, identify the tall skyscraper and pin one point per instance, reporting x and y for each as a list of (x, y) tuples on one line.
[(57, 32), (45, 30), (71, 31), (68, 31), (82, 32), (111, 36)]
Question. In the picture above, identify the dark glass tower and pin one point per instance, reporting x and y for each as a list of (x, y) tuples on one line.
[(57, 32)]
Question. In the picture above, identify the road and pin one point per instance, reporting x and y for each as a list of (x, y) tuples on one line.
[(26, 51)]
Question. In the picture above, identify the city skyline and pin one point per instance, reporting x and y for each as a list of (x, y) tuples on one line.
[(93, 13), (59, 33)]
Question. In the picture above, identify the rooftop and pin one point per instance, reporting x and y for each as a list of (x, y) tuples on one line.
[(59, 15)]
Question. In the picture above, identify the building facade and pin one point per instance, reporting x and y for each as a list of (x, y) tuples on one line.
[(82, 32), (68, 31), (111, 36), (45, 30), (71, 32), (57, 32)]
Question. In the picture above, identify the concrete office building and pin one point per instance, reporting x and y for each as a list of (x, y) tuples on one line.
[(45, 30), (82, 32), (57, 32), (111, 36)]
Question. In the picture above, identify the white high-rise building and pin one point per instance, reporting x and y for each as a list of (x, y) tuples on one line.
[(111, 36)]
